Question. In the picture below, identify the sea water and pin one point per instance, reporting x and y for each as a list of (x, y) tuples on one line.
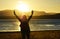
[(10, 25)]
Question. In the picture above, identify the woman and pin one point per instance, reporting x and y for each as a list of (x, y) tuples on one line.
[(25, 30)]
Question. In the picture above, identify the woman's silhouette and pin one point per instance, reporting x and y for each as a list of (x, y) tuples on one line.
[(25, 30)]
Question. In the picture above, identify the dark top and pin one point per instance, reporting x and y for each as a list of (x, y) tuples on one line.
[(24, 25)]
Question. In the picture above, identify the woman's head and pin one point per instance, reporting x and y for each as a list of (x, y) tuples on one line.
[(23, 18)]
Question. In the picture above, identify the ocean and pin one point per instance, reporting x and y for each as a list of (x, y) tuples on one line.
[(11, 25)]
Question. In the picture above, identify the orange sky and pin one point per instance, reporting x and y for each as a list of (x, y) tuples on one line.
[(38, 5)]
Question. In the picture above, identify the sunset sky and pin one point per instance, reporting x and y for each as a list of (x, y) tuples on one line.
[(38, 5)]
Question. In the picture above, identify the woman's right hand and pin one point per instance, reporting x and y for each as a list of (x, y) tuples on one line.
[(14, 12)]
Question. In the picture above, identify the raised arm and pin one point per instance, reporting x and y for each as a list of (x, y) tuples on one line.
[(30, 16), (16, 16)]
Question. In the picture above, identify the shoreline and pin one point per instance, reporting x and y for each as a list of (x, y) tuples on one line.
[(48, 34)]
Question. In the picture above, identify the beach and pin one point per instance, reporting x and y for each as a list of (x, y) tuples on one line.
[(48, 34)]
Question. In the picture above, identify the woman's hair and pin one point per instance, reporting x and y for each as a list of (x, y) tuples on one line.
[(23, 18)]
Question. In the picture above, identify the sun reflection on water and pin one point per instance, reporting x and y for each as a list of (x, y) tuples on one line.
[(18, 26)]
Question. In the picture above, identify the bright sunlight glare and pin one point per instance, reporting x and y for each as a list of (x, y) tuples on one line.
[(23, 7)]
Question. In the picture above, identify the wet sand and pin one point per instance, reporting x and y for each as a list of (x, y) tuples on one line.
[(50, 34)]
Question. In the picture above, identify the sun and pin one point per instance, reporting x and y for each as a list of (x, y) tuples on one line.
[(23, 7)]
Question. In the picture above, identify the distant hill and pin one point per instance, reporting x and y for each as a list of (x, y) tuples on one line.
[(8, 14), (55, 16)]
